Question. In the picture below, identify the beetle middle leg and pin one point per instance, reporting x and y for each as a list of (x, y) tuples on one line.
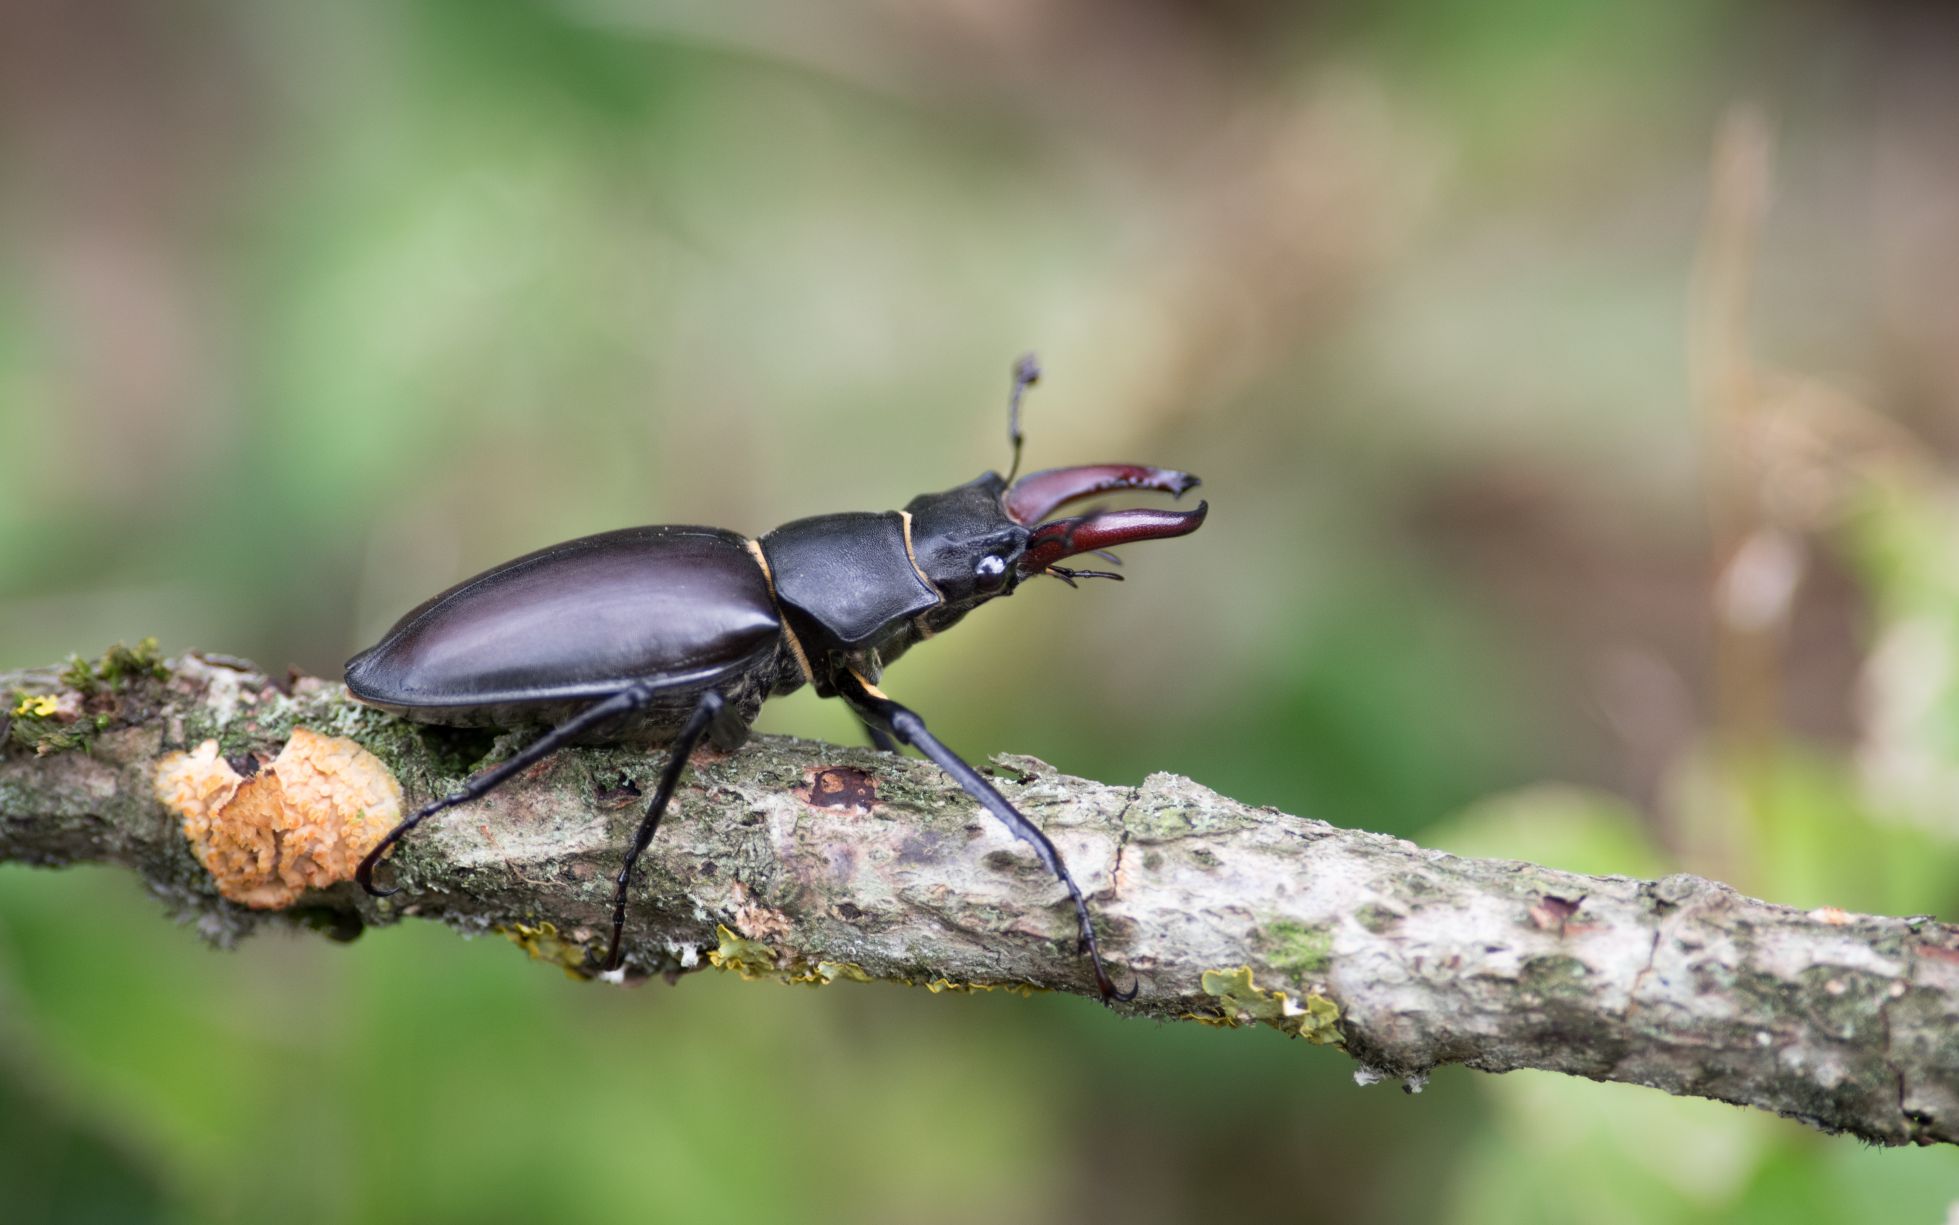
[(710, 713), (880, 739), (878, 710)]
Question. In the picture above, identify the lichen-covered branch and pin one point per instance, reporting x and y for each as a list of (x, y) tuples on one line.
[(807, 861)]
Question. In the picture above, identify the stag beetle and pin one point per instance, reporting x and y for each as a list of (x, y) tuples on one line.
[(663, 635)]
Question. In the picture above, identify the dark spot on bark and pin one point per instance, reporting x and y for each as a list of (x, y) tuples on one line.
[(919, 848), (841, 787), (849, 911), (1552, 913), (1002, 861), (709, 867), (1554, 978), (621, 794), (1377, 918), (341, 926), (753, 818), (457, 750), (245, 764)]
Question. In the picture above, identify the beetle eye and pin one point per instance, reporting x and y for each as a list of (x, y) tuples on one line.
[(990, 568)]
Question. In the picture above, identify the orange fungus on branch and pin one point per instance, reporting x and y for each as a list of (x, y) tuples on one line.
[(303, 822)]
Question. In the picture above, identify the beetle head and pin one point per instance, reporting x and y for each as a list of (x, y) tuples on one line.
[(964, 541), (983, 538)]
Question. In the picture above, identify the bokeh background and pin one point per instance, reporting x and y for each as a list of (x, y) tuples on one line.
[(1574, 386)]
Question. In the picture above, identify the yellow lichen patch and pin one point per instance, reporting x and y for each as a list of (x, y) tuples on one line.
[(1242, 1001), (754, 960), (749, 958), (939, 986), (43, 706), (303, 822), (1317, 1024), (544, 943), (823, 973)]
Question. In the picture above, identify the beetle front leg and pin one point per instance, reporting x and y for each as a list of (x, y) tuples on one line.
[(617, 706), (710, 712), (880, 711)]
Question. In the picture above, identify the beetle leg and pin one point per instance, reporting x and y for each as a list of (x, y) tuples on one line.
[(707, 712), (880, 739), (875, 708), (622, 703)]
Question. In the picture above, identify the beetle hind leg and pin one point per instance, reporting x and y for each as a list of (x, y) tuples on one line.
[(627, 700), (880, 711)]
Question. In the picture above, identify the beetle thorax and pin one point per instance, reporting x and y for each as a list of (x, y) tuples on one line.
[(860, 588)]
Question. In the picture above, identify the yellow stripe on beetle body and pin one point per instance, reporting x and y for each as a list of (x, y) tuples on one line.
[(788, 634), (904, 517), (869, 688)]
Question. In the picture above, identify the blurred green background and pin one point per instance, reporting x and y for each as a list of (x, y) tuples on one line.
[(1579, 493)]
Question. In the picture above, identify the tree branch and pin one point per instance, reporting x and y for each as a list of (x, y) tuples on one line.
[(813, 862)]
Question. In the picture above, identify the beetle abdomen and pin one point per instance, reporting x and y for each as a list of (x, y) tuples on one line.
[(678, 606)]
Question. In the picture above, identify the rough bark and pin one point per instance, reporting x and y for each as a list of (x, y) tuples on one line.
[(814, 862)]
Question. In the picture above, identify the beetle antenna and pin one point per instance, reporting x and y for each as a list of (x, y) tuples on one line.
[(1027, 372)]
